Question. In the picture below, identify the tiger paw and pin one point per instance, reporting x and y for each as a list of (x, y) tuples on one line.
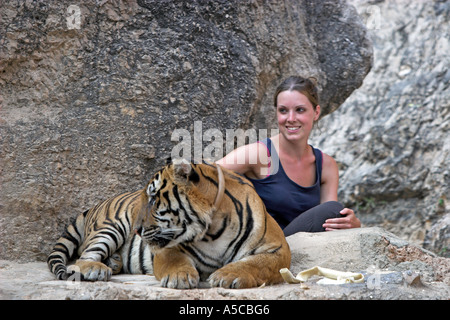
[(91, 270), (114, 262), (185, 279), (233, 279)]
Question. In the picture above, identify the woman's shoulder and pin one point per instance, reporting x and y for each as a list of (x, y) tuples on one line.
[(328, 160), (329, 167), (247, 159)]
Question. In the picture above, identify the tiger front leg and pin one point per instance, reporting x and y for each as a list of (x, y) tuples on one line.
[(252, 271), (91, 270), (232, 276), (175, 269)]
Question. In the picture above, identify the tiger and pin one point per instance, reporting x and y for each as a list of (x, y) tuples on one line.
[(191, 223), (208, 223)]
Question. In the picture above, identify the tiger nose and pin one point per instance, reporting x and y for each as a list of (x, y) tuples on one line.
[(138, 231)]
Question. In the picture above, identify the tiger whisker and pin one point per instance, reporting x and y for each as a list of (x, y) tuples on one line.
[(171, 230)]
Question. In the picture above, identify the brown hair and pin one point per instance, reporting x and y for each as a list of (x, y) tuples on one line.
[(306, 86)]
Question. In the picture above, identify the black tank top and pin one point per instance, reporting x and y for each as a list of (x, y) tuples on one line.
[(284, 199)]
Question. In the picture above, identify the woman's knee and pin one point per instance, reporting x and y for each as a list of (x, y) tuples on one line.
[(333, 206)]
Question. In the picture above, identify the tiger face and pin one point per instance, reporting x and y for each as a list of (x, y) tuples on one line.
[(173, 219)]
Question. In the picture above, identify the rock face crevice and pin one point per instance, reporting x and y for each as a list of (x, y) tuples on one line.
[(92, 92)]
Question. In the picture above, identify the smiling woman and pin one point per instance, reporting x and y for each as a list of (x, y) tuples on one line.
[(296, 115), (297, 182)]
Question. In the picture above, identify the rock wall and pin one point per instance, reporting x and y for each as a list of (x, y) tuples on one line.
[(391, 137), (91, 91)]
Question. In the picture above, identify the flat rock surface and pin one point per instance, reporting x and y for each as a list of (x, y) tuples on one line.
[(379, 255)]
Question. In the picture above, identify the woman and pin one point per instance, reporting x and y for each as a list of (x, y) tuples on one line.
[(297, 182)]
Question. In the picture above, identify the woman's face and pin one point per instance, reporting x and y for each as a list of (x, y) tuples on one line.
[(296, 115)]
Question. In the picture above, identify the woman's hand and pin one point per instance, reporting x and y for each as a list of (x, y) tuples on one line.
[(349, 221)]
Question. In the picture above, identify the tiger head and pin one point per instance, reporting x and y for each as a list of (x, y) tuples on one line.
[(181, 199)]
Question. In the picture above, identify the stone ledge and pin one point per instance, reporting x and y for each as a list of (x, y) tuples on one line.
[(383, 258)]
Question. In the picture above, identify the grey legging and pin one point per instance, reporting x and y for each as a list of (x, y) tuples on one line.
[(313, 219)]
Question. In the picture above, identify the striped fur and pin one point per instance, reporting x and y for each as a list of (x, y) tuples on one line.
[(236, 245), (103, 242)]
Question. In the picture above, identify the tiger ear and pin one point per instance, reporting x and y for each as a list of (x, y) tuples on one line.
[(183, 169)]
